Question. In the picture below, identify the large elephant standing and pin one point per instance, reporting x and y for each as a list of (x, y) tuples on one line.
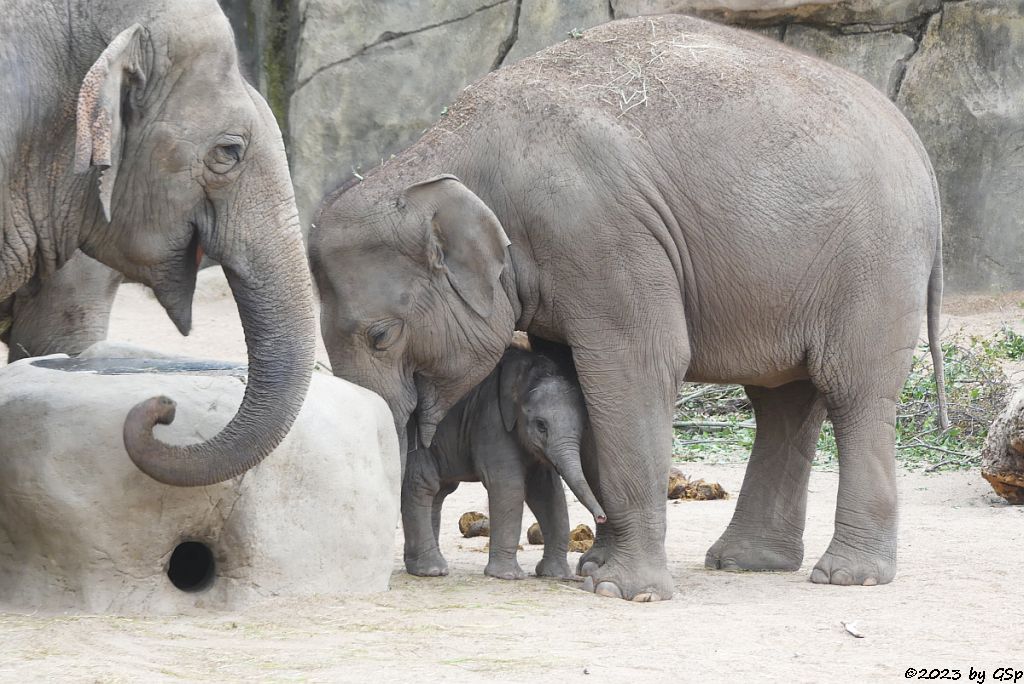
[(127, 131), (684, 201)]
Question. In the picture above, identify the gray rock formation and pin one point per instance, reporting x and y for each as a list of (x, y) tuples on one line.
[(370, 77), (964, 93), (82, 529), (840, 13), (880, 58)]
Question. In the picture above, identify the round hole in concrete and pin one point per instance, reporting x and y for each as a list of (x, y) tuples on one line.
[(191, 567)]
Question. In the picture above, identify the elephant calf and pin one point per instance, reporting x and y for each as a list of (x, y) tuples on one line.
[(516, 432)]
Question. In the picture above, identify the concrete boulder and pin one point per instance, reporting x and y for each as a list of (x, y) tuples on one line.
[(82, 529)]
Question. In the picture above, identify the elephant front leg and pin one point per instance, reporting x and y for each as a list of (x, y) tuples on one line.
[(766, 531), (630, 410), (546, 498), (420, 488), (506, 493)]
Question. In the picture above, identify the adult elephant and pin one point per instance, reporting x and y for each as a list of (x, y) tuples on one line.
[(63, 314), (127, 131), (684, 201)]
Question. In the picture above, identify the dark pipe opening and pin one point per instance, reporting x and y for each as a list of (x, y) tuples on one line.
[(191, 567)]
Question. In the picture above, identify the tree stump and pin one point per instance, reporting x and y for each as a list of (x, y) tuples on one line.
[(1002, 458)]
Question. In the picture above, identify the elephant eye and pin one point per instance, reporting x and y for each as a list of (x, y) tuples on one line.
[(542, 427), (385, 333), (225, 154)]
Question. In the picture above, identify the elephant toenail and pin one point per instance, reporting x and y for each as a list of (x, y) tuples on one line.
[(842, 577), (819, 576), (588, 584), (870, 582), (608, 589), (646, 597), (589, 568)]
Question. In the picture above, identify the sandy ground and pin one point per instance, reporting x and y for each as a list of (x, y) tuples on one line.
[(954, 604)]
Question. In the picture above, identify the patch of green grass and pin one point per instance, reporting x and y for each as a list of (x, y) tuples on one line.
[(715, 423)]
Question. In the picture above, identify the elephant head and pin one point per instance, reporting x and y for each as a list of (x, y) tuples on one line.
[(416, 300), (545, 407), (180, 156)]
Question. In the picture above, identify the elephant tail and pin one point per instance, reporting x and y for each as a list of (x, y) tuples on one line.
[(934, 344)]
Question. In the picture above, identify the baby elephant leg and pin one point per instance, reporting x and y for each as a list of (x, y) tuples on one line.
[(439, 498), (546, 498), (419, 490), (505, 496)]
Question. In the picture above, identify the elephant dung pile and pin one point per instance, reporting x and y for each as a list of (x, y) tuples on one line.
[(474, 524), (1002, 458), (682, 487), (581, 538)]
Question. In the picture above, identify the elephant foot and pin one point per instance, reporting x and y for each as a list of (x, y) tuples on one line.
[(735, 553), (506, 570), (642, 584), (591, 560), (554, 567), (846, 565), (431, 564)]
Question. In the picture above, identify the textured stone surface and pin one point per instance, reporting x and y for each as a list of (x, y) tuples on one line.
[(543, 23), (371, 76), (876, 13), (964, 93), (82, 529), (880, 58)]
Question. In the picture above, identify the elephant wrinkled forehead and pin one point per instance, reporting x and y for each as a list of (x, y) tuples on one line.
[(554, 389), (371, 285)]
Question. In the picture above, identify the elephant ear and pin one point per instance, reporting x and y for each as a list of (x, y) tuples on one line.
[(512, 379), (465, 240), (99, 131)]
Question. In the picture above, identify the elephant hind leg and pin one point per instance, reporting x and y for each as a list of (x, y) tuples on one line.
[(862, 407), (766, 531), (863, 546)]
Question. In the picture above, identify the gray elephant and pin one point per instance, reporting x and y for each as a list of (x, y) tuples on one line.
[(66, 313), (127, 131), (516, 432), (684, 201)]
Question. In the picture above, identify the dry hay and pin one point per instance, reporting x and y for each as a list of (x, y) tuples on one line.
[(681, 486), (474, 524)]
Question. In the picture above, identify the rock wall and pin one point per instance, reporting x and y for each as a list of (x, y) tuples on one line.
[(355, 81)]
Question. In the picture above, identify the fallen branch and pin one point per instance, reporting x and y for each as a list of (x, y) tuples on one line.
[(711, 425)]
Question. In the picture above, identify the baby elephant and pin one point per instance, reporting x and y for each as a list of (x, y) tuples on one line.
[(516, 432)]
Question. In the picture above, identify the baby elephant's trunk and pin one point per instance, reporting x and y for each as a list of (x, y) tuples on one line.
[(567, 462)]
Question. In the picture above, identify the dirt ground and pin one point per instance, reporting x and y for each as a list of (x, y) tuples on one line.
[(954, 604)]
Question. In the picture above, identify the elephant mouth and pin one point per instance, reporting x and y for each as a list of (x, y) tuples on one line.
[(174, 291)]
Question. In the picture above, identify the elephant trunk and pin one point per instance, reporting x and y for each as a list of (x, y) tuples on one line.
[(270, 280), (566, 460)]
